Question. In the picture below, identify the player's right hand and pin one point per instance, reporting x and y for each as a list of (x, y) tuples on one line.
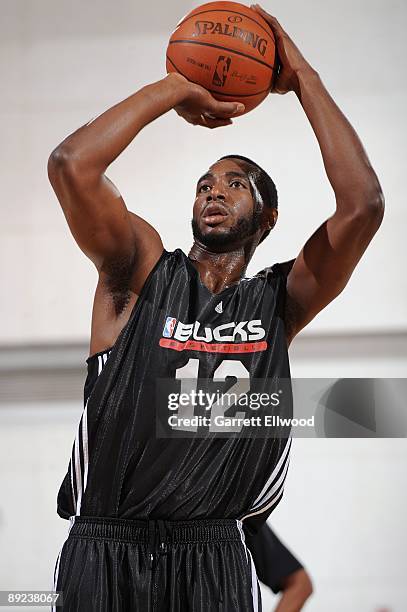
[(199, 107)]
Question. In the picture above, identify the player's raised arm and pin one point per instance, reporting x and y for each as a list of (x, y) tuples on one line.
[(326, 262), (101, 224)]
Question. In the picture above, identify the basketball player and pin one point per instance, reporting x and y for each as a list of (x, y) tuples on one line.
[(159, 522)]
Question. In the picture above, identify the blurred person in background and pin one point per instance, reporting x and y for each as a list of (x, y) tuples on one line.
[(280, 570)]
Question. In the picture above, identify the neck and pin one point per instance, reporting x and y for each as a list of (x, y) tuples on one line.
[(219, 270)]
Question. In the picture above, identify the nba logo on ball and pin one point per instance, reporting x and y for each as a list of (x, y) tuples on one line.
[(169, 327), (221, 70)]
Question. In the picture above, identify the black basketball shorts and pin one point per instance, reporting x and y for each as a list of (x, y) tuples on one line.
[(122, 565)]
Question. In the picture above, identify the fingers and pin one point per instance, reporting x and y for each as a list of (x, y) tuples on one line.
[(269, 18), (205, 120), (213, 122), (222, 110)]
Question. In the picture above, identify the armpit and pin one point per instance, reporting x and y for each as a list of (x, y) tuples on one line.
[(116, 277), (293, 314)]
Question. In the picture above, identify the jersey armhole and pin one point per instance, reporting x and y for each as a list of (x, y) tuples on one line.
[(282, 268), (286, 307), (163, 255)]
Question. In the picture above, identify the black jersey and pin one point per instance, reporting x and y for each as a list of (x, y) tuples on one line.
[(118, 467)]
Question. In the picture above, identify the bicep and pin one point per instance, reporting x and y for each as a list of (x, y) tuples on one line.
[(326, 262), (99, 220)]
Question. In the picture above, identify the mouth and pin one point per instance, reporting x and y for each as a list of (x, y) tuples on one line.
[(214, 214)]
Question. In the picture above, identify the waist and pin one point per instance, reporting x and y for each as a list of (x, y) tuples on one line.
[(156, 530)]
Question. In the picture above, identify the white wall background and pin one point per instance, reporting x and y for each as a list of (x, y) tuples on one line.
[(64, 63)]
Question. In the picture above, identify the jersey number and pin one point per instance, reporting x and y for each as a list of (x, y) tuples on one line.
[(188, 375)]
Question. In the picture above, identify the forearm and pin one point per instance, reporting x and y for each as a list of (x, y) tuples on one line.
[(291, 601), (297, 588), (95, 145), (346, 163), (294, 598)]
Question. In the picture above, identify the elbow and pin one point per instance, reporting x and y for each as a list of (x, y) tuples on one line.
[(299, 585), (369, 211), (57, 161), (376, 209), (60, 158), (375, 205), (63, 162), (308, 587), (304, 584)]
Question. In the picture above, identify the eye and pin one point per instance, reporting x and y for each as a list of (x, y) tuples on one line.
[(200, 188)]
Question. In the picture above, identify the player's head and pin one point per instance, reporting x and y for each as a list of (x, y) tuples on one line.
[(236, 202)]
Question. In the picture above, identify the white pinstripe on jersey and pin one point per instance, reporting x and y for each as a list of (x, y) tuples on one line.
[(274, 487)]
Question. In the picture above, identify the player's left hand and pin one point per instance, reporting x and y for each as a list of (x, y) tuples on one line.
[(289, 58)]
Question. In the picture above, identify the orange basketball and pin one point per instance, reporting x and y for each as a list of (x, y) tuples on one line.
[(227, 48)]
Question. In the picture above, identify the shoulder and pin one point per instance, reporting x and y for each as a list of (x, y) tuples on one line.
[(277, 270)]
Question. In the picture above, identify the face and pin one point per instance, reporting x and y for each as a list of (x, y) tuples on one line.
[(224, 208)]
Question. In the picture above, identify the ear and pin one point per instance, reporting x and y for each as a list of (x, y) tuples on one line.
[(271, 217)]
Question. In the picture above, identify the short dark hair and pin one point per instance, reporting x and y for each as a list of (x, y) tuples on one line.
[(263, 182)]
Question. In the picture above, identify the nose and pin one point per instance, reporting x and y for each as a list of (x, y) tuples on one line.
[(216, 193)]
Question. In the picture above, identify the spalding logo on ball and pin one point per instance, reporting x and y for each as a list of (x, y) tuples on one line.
[(226, 48)]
